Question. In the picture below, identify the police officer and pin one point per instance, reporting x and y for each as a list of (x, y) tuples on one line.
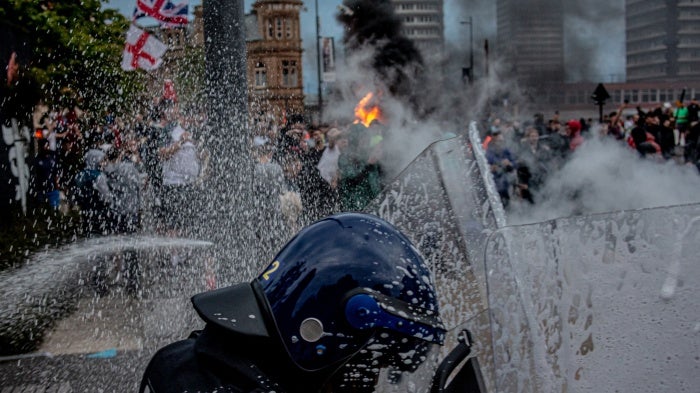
[(349, 289)]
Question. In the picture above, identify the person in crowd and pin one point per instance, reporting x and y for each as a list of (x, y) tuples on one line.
[(553, 127), (642, 135), (502, 165), (682, 117), (314, 190), (269, 186), (693, 108), (616, 126), (53, 134), (125, 183), (691, 143), (182, 164), (559, 145), (539, 123), (328, 164), (359, 167), (92, 195), (47, 175), (294, 327), (536, 157), (292, 136), (666, 139), (573, 131)]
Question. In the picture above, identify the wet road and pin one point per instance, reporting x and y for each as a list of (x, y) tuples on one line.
[(131, 303)]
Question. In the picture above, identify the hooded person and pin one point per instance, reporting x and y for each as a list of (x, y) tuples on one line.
[(347, 288)]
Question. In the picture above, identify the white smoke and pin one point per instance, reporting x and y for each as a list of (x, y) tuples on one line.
[(606, 176)]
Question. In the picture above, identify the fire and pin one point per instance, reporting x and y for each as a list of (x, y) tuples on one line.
[(367, 111)]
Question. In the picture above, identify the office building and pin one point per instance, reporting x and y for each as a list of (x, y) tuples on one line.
[(531, 39), (663, 40), (423, 22)]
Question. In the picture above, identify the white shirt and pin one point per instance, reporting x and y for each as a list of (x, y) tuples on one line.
[(328, 164), (183, 167)]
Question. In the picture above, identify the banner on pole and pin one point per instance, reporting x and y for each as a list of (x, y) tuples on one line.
[(328, 59)]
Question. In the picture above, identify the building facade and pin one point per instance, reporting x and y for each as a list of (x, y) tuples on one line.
[(663, 40), (531, 39), (274, 50), (273, 41), (423, 23)]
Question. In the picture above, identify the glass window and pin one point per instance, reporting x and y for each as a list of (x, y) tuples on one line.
[(288, 27), (289, 73), (645, 95), (260, 75), (278, 28)]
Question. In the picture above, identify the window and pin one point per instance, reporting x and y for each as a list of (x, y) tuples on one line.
[(289, 73), (278, 28), (270, 30), (288, 27), (260, 75)]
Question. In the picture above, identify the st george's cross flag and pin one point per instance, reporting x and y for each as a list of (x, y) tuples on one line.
[(142, 50), (164, 11)]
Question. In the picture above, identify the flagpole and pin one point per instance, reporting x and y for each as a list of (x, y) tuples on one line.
[(318, 63)]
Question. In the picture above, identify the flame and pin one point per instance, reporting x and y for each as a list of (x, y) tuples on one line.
[(366, 112)]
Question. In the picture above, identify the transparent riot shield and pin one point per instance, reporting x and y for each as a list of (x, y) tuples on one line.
[(441, 202), (601, 303)]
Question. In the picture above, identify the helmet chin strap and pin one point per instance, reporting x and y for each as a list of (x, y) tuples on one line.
[(367, 309)]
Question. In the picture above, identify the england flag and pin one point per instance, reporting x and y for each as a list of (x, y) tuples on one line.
[(142, 50), (164, 11)]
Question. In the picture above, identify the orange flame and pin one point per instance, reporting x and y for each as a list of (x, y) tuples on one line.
[(366, 112)]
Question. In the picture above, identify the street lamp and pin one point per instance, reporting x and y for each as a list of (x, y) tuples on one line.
[(470, 73)]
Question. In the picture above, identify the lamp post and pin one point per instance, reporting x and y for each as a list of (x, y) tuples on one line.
[(470, 74), (318, 64)]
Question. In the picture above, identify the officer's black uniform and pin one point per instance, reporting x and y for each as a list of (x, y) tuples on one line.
[(208, 361)]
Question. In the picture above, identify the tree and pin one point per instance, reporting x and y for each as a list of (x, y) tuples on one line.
[(75, 50)]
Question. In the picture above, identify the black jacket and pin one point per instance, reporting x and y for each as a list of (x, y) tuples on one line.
[(206, 362)]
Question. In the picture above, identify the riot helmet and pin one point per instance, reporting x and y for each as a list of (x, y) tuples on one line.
[(341, 284)]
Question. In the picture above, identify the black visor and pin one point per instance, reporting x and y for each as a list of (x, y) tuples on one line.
[(233, 308)]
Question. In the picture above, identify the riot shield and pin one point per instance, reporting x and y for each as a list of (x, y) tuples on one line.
[(601, 303), (441, 202)]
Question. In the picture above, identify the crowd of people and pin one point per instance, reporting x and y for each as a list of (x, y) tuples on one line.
[(105, 167), (522, 156), (102, 165)]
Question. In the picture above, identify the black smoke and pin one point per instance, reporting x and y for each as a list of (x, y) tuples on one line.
[(373, 25)]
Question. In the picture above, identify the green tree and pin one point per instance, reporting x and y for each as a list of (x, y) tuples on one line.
[(76, 51)]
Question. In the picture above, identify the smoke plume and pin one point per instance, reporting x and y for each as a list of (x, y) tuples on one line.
[(394, 58)]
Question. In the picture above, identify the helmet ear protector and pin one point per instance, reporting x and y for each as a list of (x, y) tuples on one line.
[(368, 309)]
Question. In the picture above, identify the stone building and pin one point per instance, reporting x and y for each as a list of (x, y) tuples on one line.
[(274, 49), (273, 41)]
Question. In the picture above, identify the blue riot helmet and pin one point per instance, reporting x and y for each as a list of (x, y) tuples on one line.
[(340, 284)]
